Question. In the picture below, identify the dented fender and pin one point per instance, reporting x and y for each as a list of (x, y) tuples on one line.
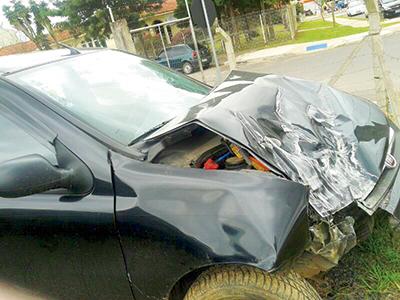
[(183, 219)]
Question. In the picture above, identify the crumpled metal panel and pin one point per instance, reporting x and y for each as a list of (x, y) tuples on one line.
[(326, 139), (332, 241), (181, 219)]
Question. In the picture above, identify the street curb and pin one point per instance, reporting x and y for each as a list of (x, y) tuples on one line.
[(311, 46)]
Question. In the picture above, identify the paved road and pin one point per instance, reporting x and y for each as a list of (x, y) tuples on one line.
[(358, 78)]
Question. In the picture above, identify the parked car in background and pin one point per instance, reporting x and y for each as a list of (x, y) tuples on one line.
[(183, 58), (340, 4), (356, 8), (390, 8), (310, 7)]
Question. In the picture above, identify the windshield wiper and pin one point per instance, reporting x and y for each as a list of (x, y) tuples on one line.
[(147, 133)]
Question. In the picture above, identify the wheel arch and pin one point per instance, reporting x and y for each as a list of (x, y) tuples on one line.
[(185, 61), (182, 285)]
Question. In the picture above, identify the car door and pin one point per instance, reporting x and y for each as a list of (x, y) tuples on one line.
[(56, 244), (177, 55), (162, 59)]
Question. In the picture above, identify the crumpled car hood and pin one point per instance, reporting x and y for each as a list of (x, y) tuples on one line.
[(331, 141)]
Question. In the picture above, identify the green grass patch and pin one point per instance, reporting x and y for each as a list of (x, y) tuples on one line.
[(316, 30), (325, 33), (369, 271), (310, 31), (314, 24)]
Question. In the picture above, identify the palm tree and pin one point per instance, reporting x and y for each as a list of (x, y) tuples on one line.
[(20, 17)]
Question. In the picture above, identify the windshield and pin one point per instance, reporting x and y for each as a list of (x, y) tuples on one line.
[(121, 95)]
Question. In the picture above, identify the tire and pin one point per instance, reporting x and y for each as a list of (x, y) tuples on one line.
[(187, 68), (245, 283)]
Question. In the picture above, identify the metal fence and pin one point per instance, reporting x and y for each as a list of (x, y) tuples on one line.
[(151, 41), (261, 29), (164, 42)]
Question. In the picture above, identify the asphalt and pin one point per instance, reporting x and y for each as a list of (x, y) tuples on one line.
[(324, 65)]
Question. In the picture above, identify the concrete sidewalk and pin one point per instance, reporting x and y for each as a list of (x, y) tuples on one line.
[(307, 47), (358, 22), (353, 22)]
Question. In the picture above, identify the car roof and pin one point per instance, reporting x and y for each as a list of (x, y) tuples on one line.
[(177, 46), (17, 62)]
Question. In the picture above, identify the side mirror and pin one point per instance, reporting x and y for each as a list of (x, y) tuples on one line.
[(29, 175)]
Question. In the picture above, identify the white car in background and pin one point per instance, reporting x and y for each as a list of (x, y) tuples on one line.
[(356, 8)]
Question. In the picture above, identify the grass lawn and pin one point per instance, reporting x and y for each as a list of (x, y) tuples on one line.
[(313, 31), (324, 33), (369, 271), (310, 31), (314, 24)]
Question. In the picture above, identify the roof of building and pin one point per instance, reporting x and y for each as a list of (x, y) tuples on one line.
[(166, 7), (29, 46), (17, 62)]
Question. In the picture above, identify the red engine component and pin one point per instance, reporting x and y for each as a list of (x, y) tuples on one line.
[(210, 165)]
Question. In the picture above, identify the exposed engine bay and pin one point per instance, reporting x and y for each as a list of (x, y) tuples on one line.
[(202, 149)]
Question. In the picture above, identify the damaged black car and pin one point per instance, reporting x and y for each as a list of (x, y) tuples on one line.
[(121, 179)]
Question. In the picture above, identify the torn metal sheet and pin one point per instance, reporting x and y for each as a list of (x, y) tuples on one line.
[(332, 241), (326, 139)]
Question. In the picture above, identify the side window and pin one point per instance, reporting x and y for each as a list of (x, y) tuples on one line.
[(181, 50), (171, 52), (16, 141), (162, 55)]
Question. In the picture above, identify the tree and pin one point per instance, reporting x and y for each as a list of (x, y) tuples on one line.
[(41, 13), (180, 10), (325, 4), (222, 6), (31, 20), (92, 18)]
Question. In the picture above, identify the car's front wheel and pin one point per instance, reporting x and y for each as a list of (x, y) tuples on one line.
[(187, 68), (244, 282)]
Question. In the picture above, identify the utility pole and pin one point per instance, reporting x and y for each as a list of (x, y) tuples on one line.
[(196, 46), (218, 71), (333, 7), (388, 100), (111, 13)]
